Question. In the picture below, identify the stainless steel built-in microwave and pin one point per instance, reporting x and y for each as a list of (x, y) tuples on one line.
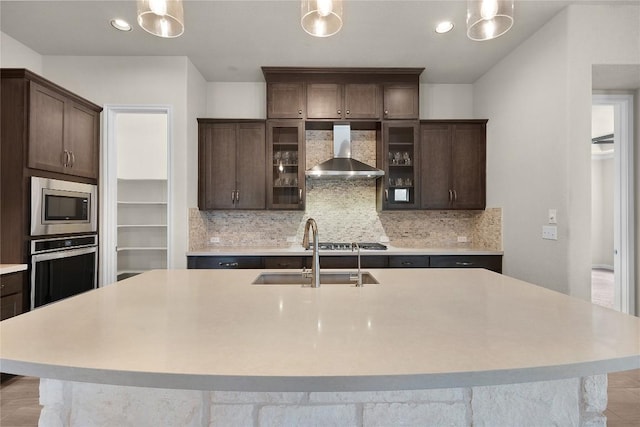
[(62, 207)]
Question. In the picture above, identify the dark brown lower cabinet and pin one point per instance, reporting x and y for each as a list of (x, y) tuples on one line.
[(490, 262), (11, 295)]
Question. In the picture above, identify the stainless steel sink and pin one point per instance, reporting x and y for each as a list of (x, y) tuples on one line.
[(326, 278)]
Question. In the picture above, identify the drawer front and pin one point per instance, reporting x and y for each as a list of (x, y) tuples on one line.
[(369, 261), (295, 262), (11, 283), (490, 262), (409, 261), (224, 262), (10, 306)]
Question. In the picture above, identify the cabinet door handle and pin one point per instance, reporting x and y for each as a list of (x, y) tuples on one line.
[(386, 112), (233, 197), (450, 196), (348, 111), (339, 111), (386, 195), (464, 264), (455, 196), (299, 195), (228, 264), (300, 111), (65, 159), (73, 158), (238, 196)]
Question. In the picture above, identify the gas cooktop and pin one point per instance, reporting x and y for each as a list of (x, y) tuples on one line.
[(328, 246)]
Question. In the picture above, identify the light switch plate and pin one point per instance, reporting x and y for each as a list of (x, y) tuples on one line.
[(550, 232), (214, 240), (553, 216), (462, 239)]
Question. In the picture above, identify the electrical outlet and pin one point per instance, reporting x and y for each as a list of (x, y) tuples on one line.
[(553, 216), (462, 239), (214, 240), (550, 232)]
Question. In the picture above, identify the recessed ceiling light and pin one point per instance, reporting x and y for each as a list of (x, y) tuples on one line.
[(120, 24), (444, 27)]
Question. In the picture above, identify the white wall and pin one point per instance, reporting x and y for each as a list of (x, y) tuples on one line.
[(14, 54), (602, 201), (142, 146), (538, 101), (196, 107), (248, 100)]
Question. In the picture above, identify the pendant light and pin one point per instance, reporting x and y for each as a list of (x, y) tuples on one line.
[(162, 18), (321, 18), (488, 19)]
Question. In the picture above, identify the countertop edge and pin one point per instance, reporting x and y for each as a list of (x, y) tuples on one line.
[(12, 268), (320, 384), (230, 251)]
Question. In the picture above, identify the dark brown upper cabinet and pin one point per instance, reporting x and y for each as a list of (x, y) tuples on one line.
[(62, 129), (342, 93), (286, 157), (231, 163), (401, 101), (285, 100), (343, 101), (453, 164)]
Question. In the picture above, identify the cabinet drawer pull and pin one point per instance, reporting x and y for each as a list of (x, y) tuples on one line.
[(228, 264), (348, 111), (299, 195), (299, 111), (283, 264), (339, 111), (406, 263), (464, 264)]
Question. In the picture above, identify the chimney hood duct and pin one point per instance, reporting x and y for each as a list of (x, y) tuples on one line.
[(342, 165)]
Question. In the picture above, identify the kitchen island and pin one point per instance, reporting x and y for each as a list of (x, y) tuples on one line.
[(427, 347)]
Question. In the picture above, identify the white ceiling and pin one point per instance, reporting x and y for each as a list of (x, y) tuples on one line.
[(230, 40)]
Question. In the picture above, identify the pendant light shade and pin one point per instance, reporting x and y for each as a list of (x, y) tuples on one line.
[(488, 19), (321, 18), (162, 18)]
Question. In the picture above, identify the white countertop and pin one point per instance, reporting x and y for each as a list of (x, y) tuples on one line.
[(417, 329), (299, 250), (12, 268)]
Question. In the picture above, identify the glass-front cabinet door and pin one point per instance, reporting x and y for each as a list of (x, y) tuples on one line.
[(400, 142), (285, 154)]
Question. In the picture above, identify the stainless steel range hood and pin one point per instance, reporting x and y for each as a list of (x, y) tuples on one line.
[(342, 165)]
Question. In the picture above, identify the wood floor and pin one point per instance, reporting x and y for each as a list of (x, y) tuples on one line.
[(19, 401)]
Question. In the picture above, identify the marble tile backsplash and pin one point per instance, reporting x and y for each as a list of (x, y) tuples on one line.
[(345, 210)]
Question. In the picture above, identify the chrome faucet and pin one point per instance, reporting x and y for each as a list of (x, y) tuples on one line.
[(354, 246), (315, 265)]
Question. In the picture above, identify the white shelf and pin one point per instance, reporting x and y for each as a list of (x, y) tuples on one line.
[(142, 248), (140, 225), (141, 203)]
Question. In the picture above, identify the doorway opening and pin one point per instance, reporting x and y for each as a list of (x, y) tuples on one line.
[(136, 197), (612, 213)]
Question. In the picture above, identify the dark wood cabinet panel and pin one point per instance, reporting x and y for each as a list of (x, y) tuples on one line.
[(11, 294), (409, 261), (348, 261), (284, 262), (231, 165), (401, 101), (324, 101), (285, 100), (362, 101), (453, 164), (224, 262), (80, 141), (343, 101), (46, 129), (490, 262), (63, 134)]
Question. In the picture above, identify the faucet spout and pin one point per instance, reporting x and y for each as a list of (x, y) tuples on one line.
[(359, 277), (315, 265)]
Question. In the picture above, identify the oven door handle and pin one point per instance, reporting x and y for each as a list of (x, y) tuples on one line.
[(62, 254)]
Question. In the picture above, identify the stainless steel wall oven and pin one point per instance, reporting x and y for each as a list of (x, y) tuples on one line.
[(62, 267)]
